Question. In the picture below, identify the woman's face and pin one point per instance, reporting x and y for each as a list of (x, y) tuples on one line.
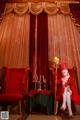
[(65, 72)]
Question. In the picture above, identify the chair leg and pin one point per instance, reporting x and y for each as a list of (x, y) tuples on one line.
[(55, 107), (20, 107), (0, 107), (20, 110), (22, 113), (8, 108)]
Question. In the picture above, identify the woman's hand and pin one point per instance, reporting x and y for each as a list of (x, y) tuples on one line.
[(69, 90)]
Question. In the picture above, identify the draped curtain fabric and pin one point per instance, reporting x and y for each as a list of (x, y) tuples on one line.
[(38, 47), (32, 40), (32, 47), (64, 41), (42, 45), (2, 7), (75, 10), (14, 41)]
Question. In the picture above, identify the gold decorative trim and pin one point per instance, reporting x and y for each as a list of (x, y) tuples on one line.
[(37, 8), (21, 8), (51, 8), (25, 1)]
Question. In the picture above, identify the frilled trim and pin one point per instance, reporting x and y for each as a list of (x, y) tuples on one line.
[(37, 8)]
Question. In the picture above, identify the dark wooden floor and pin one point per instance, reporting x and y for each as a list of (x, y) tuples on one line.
[(43, 117), (52, 117)]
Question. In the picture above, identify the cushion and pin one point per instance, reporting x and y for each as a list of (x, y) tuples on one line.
[(10, 97)]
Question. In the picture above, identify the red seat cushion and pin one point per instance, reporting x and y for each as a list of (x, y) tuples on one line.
[(34, 92), (10, 97)]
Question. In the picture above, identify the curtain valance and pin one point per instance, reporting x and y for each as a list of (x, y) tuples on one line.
[(37, 8)]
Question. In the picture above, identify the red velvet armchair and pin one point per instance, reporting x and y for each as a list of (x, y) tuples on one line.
[(16, 87)]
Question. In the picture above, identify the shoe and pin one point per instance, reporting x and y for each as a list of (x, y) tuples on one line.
[(63, 107)]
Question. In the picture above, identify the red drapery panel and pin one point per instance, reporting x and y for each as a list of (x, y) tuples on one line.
[(2, 6), (38, 47), (42, 45), (32, 39), (75, 10), (31, 46)]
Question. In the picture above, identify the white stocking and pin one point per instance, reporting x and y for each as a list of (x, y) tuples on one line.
[(64, 100), (68, 98)]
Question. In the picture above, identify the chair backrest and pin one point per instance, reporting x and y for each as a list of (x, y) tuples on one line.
[(2, 79), (14, 80)]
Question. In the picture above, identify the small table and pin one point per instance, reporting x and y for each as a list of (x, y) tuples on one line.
[(42, 97)]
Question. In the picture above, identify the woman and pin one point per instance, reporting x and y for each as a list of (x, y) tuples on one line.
[(68, 90)]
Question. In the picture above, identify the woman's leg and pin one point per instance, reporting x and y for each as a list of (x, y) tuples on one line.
[(69, 103), (63, 107)]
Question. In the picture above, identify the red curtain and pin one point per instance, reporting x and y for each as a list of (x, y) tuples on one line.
[(38, 47), (31, 46), (32, 39), (2, 6), (42, 45), (75, 10)]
